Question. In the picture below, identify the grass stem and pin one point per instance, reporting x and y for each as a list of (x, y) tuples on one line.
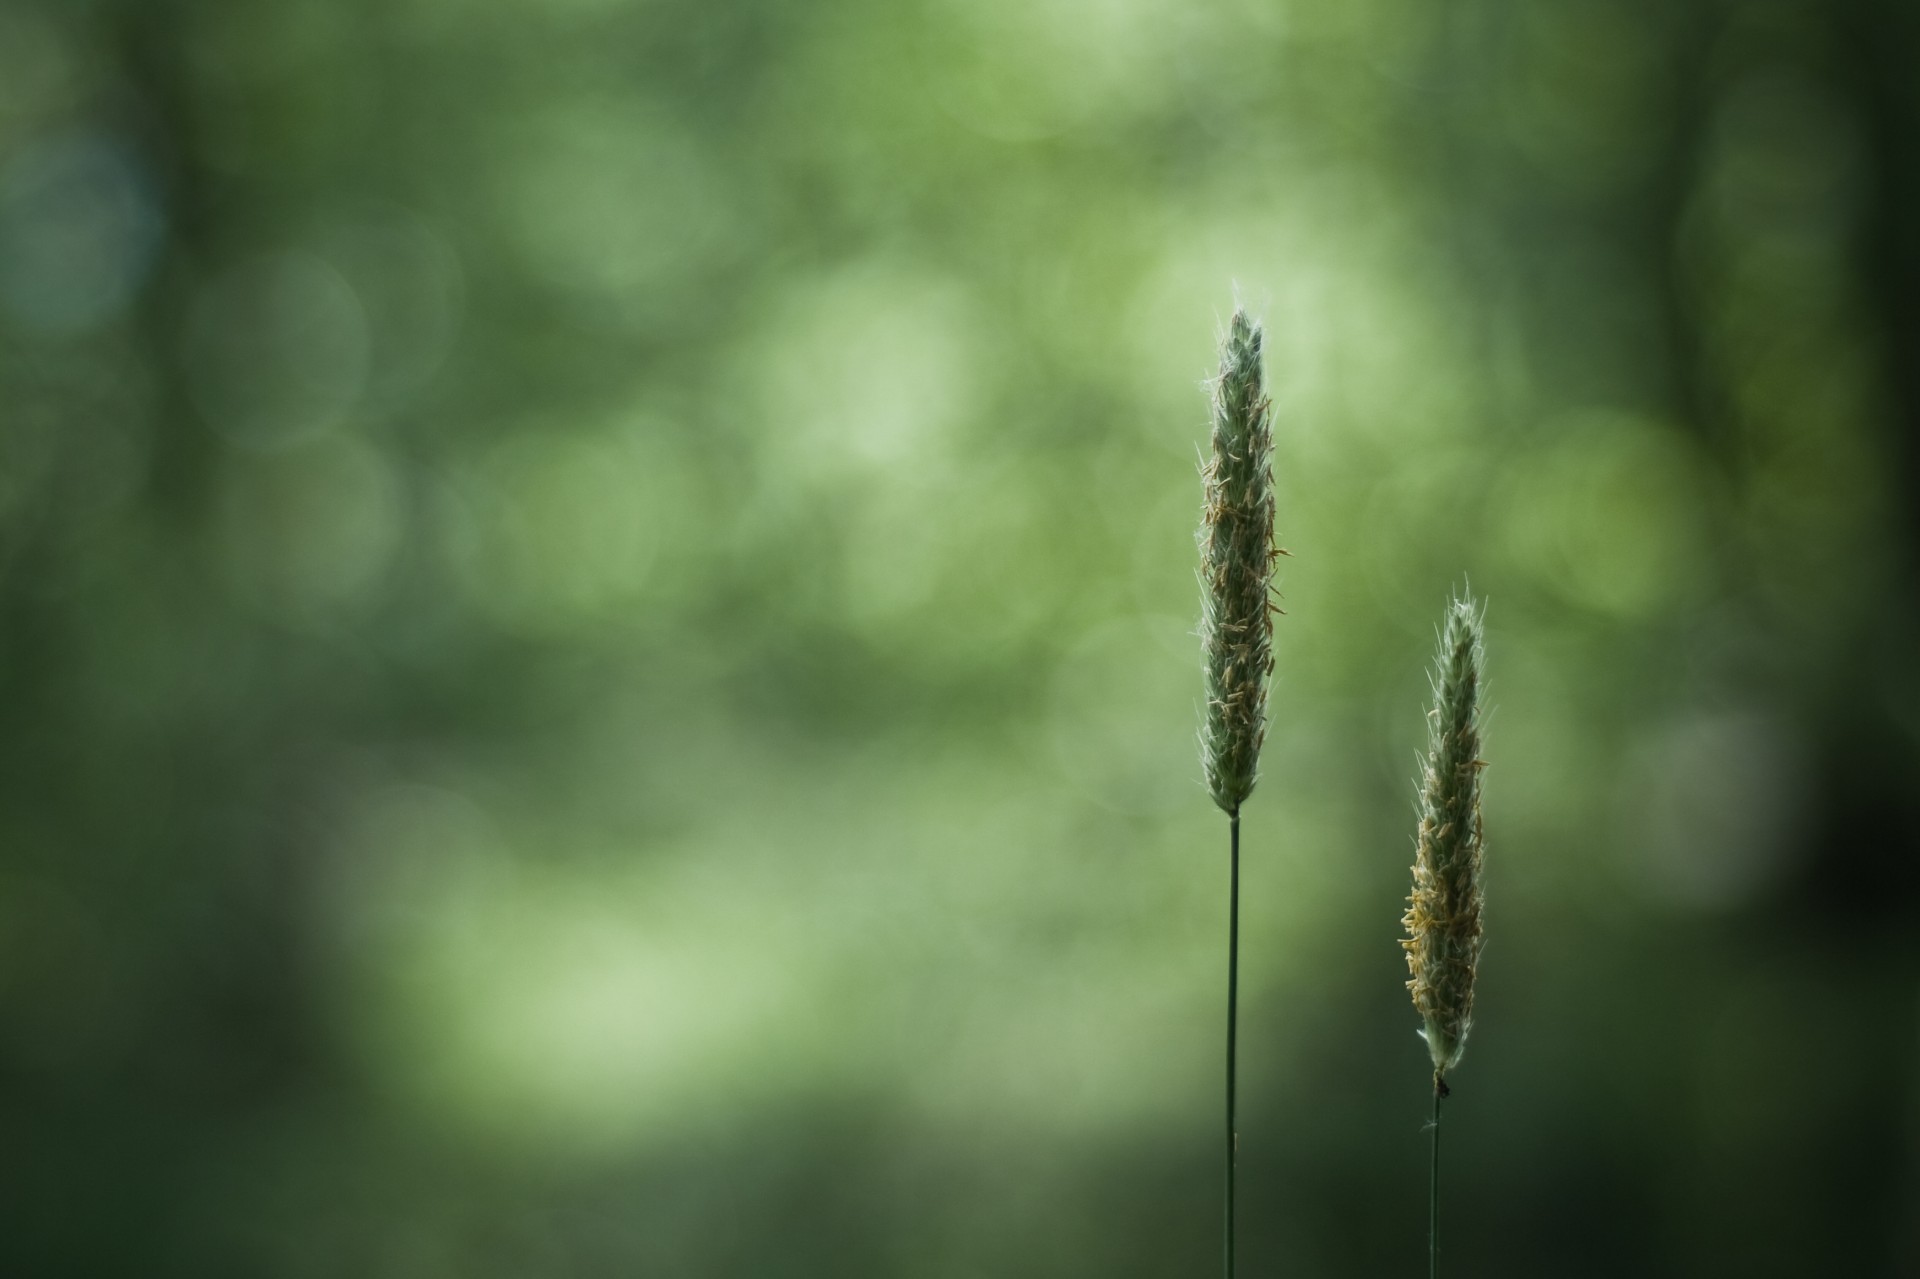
[(1433, 1183), (1233, 1017)]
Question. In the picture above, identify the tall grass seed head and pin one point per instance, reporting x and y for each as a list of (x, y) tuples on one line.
[(1443, 919), (1236, 569)]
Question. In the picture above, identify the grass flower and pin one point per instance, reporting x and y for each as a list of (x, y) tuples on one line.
[(1236, 632), (1444, 929), (1236, 570)]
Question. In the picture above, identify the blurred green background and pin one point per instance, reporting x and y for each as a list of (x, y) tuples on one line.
[(596, 656)]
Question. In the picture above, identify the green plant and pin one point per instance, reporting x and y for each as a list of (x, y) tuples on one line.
[(1236, 631), (1443, 919)]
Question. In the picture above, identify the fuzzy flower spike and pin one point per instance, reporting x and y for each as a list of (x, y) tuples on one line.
[(1444, 933), (1236, 569), (1236, 632)]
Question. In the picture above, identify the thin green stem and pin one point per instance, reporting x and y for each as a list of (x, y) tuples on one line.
[(1433, 1184), (1233, 1017)]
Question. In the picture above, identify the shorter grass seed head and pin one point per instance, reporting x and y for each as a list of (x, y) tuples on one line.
[(1444, 931), (1236, 569)]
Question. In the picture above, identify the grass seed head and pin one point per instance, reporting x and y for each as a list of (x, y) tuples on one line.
[(1444, 931), (1236, 569)]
